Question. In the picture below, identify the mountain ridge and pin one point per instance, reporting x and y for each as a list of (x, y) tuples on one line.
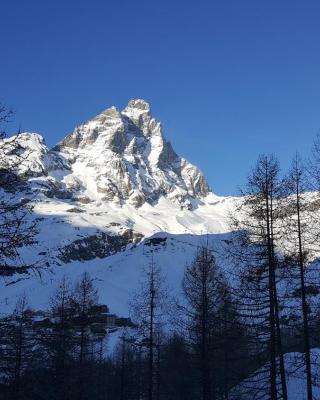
[(118, 156)]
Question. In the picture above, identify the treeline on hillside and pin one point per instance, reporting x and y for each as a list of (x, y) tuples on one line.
[(65, 355)]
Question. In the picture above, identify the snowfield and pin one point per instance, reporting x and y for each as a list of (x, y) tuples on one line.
[(98, 196), (296, 382), (117, 276)]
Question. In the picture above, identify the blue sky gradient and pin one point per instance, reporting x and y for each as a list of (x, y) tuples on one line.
[(228, 79)]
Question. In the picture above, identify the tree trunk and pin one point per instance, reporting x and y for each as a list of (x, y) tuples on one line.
[(304, 301), (152, 294), (273, 369), (276, 310)]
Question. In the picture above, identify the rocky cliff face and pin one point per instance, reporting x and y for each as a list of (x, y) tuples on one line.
[(123, 156), (115, 157)]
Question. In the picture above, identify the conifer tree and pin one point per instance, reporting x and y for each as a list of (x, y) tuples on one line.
[(299, 224), (203, 288), (85, 296), (148, 309), (254, 246)]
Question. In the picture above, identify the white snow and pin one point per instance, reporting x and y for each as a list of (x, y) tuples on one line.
[(128, 177), (295, 377)]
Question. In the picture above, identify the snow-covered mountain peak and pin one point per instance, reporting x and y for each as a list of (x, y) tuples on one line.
[(137, 108), (27, 140), (123, 156), (117, 156), (139, 105), (28, 156)]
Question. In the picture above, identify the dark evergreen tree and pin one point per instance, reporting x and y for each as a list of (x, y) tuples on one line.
[(299, 235), (17, 344), (58, 339), (85, 296), (148, 309), (178, 377), (204, 289), (254, 248)]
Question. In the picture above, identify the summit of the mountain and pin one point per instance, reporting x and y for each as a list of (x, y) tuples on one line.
[(139, 105), (120, 157)]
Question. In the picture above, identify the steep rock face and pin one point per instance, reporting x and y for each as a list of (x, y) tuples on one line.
[(100, 245), (118, 157), (124, 157)]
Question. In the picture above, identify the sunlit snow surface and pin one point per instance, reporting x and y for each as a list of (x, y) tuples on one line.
[(116, 276)]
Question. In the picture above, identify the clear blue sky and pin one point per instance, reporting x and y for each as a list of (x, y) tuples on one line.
[(228, 79)]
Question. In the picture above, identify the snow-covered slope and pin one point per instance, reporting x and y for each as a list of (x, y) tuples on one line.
[(100, 193), (256, 386), (116, 276)]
